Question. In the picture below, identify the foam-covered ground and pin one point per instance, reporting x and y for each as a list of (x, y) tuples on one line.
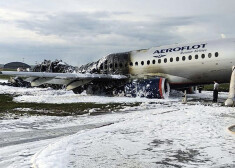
[(158, 133)]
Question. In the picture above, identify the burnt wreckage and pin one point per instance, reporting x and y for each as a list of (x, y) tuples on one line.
[(118, 64), (113, 64), (57, 66)]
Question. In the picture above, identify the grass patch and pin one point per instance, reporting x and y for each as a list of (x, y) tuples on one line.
[(6, 76), (6, 69), (224, 87), (9, 107)]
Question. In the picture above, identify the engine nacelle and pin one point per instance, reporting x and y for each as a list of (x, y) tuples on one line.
[(149, 88)]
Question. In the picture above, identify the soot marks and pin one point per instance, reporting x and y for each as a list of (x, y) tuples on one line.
[(180, 156), (157, 143), (167, 165), (174, 156), (186, 156)]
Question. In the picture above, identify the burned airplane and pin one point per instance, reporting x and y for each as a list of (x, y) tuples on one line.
[(147, 73)]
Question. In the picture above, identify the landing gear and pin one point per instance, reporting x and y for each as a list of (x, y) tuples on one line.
[(231, 95), (184, 100), (78, 90)]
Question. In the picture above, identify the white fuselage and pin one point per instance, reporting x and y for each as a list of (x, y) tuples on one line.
[(214, 62)]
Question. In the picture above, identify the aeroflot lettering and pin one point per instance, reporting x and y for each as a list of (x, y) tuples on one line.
[(180, 49)]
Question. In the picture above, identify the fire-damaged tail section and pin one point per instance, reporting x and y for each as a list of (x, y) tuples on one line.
[(113, 64), (116, 63)]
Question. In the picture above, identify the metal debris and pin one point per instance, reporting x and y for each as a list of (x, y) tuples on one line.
[(57, 66), (16, 82)]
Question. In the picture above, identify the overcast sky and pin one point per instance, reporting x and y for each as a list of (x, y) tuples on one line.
[(81, 31)]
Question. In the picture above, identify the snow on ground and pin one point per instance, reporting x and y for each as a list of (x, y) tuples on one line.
[(158, 133)]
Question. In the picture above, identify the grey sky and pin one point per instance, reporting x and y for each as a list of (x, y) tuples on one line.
[(80, 31)]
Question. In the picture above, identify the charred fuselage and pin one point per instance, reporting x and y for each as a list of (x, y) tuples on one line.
[(113, 64)]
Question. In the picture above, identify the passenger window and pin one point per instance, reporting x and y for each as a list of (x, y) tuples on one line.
[(111, 65), (165, 60), (159, 61), (203, 56), (153, 61), (142, 62), (190, 57), (101, 66), (171, 59), (216, 54), (196, 56), (115, 65), (209, 55), (148, 62), (183, 58), (131, 63), (177, 59), (136, 63)]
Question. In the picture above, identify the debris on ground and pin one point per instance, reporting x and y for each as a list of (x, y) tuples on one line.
[(16, 82)]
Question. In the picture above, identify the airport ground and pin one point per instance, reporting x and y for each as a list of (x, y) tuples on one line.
[(42, 127)]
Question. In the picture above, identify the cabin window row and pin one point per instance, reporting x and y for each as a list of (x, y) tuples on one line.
[(190, 57), (115, 65)]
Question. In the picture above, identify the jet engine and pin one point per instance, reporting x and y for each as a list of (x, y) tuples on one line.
[(149, 88)]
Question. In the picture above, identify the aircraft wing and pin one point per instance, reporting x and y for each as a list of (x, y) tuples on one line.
[(62, 75), (71, 80)]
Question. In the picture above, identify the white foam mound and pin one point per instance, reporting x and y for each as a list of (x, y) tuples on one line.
[(48, 95), (181, 135)]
